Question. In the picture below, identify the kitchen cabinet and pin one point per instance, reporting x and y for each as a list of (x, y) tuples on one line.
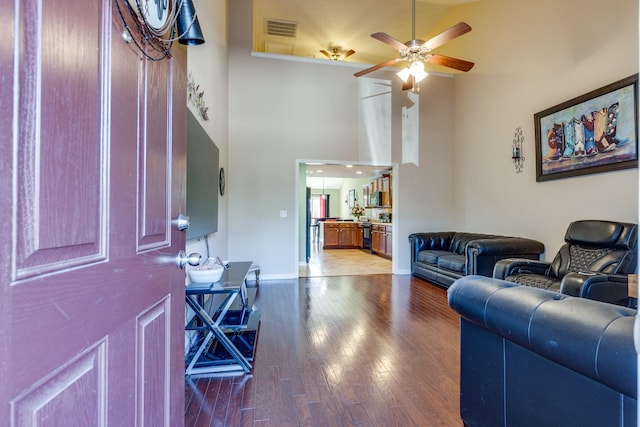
[(385, 187), (381, 236), (382, 184), (340, 235)]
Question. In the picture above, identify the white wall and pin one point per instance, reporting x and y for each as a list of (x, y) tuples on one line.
[(208, 65), (281, 112), (531, 56)]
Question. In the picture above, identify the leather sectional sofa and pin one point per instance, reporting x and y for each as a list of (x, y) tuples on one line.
[(530, 357), (444, 256)]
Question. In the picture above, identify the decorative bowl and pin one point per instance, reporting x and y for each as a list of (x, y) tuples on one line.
[(208, 272)]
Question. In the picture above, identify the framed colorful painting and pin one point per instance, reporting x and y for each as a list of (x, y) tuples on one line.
[(595, 132)]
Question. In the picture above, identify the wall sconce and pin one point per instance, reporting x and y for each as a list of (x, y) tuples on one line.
[(516, 150)]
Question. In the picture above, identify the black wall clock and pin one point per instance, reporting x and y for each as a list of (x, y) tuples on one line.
[(222, 182)]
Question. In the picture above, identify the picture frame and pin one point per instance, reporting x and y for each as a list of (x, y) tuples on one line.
[(593, 133), (351, 200)]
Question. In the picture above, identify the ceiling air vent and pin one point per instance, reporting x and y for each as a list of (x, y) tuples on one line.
[(276, 27)]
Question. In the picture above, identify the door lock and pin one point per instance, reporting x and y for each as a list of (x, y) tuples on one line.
[(181, 222)]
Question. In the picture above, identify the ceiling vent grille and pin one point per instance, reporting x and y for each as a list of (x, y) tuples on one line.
[(276, 27)]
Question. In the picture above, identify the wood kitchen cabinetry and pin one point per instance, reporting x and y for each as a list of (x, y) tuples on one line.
[(340, 235), (381, 184), (381, 236), (385, 187)]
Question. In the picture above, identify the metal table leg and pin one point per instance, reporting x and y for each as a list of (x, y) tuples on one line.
[(214, 328)]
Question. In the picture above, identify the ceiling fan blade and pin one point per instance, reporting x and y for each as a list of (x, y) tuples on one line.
[(408, 84), (376, 67), (349, 53), (447, 61), (449, 34), (386, 38), (325, 53)]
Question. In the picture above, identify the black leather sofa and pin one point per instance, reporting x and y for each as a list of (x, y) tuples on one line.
[(532, 357), (444, 256)]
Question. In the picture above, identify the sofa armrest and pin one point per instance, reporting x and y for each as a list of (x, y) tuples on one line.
[(509, 266), (508, 246), (592, 338), (439, 240), (482, 254), (611, 288)]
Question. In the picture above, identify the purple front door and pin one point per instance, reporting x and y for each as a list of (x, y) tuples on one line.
[(92, 158)]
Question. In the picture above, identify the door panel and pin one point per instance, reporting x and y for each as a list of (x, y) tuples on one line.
[(51, 93), (84, 376), (153, 379), (154, 156), (92, 160)]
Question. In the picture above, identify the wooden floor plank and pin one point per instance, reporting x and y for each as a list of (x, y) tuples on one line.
[(375, 350), (343, 262)]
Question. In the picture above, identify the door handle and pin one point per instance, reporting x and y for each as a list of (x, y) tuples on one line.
[(182, 222), (192, 259)]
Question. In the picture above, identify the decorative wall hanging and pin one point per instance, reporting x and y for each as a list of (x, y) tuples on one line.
[(516, 150), (153, 25), (351, 199), (595, 132), (222, 181), (196, 98)]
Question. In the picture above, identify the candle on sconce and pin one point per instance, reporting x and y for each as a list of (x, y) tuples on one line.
[(516, 152)]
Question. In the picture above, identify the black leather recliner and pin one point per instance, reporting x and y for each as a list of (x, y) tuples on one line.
[(593, 263)]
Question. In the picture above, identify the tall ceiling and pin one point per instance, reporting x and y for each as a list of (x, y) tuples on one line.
[(322, 24)]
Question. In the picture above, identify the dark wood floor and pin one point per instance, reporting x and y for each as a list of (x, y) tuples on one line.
[(376, 350)]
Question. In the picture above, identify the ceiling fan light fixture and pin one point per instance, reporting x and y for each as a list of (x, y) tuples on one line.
[(415, 69), (404, 74), (417, 50), (336, 53)]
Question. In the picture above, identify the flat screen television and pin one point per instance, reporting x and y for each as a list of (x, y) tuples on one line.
[(202, 180)]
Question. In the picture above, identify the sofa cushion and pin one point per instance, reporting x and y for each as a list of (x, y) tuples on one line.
[(459, 241), (431, 256), (452, 262)]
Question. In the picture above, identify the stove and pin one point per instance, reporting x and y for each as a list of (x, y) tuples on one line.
[(366, 236)]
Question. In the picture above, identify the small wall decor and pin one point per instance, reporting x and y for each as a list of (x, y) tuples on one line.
[(149, 25), (196, 98), (516, 150), (595, 132), (153, 25), (222, 181), (351, 200)]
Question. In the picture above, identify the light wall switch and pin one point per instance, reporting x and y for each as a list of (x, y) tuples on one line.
[(283, 214)]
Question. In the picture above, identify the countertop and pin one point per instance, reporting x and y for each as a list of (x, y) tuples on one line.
[(375, 222)]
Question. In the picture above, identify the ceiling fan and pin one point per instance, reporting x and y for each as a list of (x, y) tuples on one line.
[(417, 52), (336, 53)]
